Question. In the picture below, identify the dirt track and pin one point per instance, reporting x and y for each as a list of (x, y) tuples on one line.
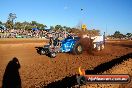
[(123, 68), (37, 70)]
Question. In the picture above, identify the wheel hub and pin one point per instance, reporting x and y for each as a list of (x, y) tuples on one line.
[(53, 54), (79, 48)]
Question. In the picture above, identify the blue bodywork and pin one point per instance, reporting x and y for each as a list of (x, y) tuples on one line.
[(68, 43)]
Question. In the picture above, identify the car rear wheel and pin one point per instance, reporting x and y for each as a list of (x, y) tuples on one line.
[(77, 49)]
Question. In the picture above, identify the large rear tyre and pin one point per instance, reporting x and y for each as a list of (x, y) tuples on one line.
[(77, 49)]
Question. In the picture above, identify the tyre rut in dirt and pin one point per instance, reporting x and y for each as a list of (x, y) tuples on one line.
[(77, 49)]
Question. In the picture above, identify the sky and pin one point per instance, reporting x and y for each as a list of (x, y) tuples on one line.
[(106, 15)]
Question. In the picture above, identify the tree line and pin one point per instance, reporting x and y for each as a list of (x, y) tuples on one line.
[(10, 24), (119, 35)]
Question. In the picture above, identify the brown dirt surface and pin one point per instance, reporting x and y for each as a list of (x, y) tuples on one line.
[(123, 68), (37, 70)]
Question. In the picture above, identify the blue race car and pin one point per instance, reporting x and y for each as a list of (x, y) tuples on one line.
[(70, 44)]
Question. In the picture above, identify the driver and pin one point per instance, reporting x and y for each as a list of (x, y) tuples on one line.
[(50, 39), (54, 39)]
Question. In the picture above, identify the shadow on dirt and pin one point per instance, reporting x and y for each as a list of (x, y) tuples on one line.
[(11, 78), (69, 82), (38, 49), (66, 82), (108, 65)]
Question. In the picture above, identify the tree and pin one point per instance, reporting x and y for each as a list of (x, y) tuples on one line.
[(34, 23), (117, 34), (75, 30), (68, 29), (18, 25), (11, 17), (9, 24), (52, 27), (41, 26), (28, 27), (1, 23), (128, 35), (95, 32), (58, 27)]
